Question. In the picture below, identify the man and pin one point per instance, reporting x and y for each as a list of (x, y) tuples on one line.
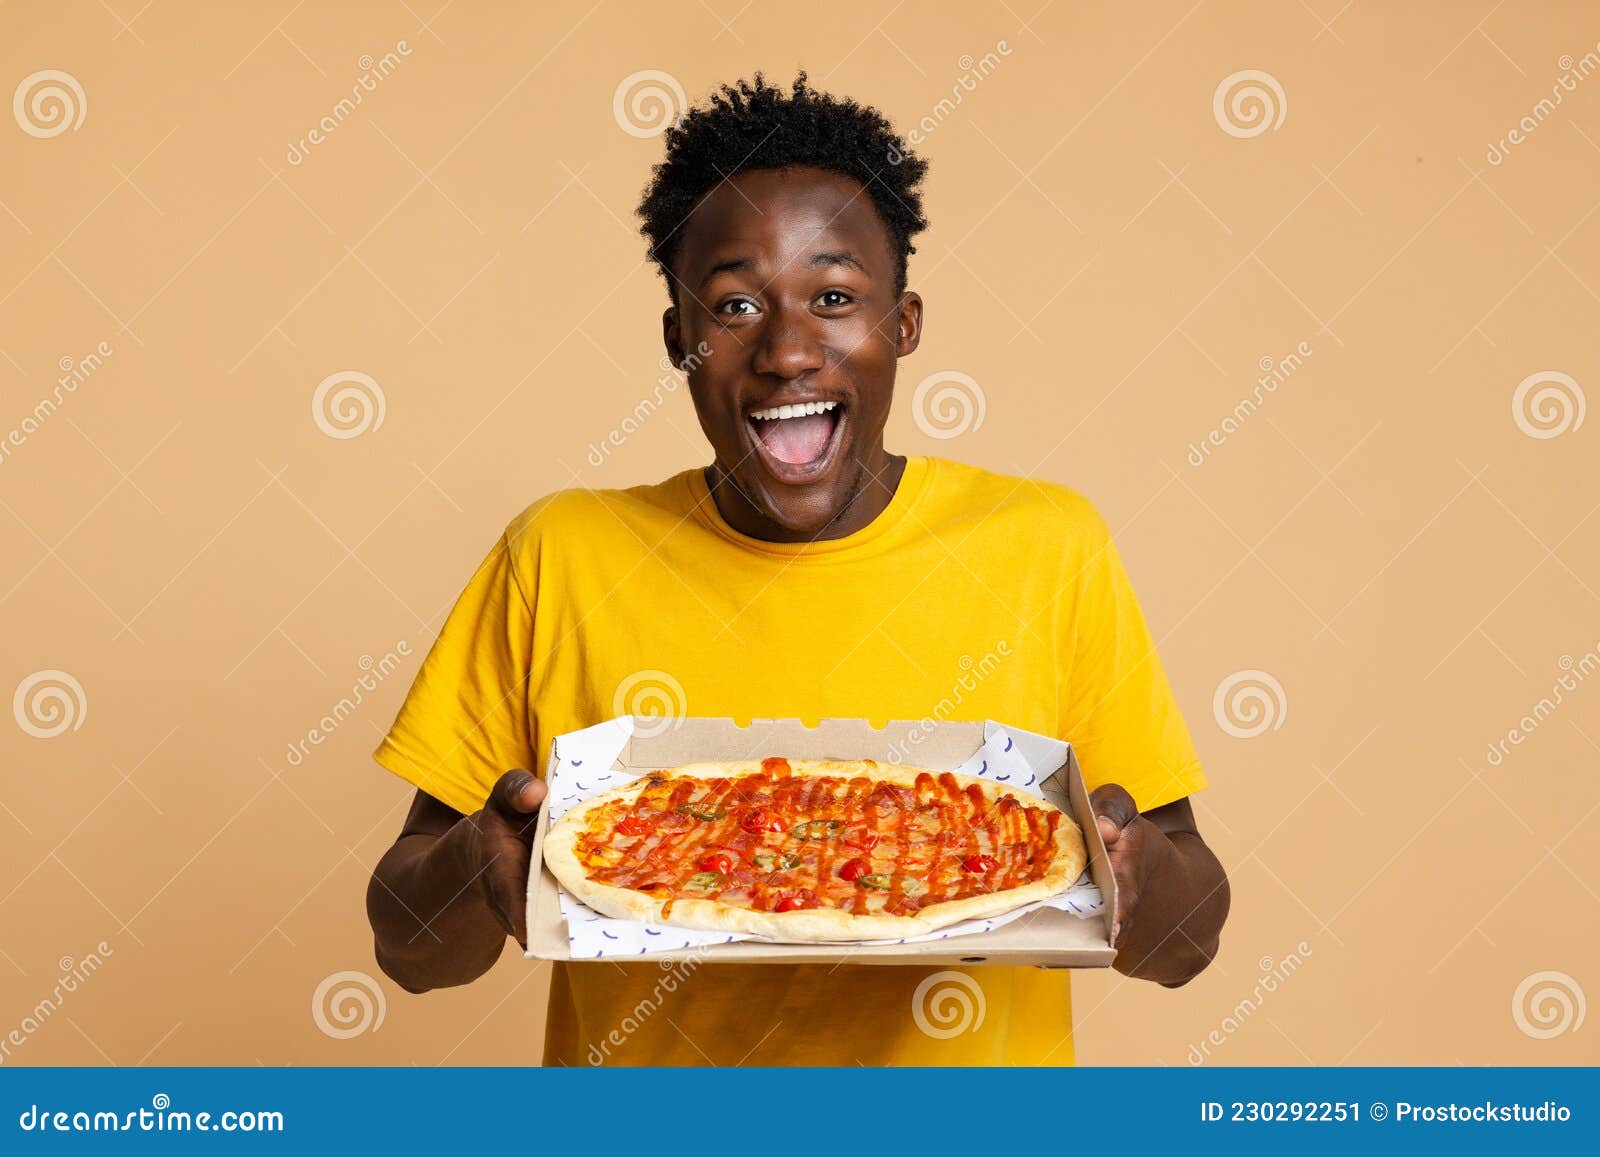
[(806, 572)]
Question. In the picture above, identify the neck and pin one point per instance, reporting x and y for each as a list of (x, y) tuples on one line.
[(877, 478)]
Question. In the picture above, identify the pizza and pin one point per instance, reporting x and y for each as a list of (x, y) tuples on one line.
[(812, 850)]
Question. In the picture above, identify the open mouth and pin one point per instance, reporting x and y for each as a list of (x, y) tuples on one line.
[(797, 442)]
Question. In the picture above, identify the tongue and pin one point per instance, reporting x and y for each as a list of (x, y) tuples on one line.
[(796, 440)]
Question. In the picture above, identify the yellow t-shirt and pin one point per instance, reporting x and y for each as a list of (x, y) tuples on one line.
[(971, 596)]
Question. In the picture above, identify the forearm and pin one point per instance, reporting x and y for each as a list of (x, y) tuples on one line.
[(1178, 921), (431, 925)]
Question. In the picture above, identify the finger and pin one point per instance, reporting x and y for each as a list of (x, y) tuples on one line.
[(508, 892), (515, 798), (1125, 853), (510, 889), (1111, 801), (518, 792)]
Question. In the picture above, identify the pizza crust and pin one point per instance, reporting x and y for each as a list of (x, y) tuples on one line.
[(806, 924)]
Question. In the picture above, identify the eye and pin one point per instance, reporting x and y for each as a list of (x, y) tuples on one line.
[(834, 298), (729, 308)]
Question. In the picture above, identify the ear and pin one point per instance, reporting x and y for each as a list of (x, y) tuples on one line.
[(672, 336), (908, 321)]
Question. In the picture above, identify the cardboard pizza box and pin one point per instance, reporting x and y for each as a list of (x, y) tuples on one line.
[(1047, 938)]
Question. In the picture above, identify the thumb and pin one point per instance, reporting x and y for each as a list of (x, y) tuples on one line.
[(1114, 810), (516, 795)]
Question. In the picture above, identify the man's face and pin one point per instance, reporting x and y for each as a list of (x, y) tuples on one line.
[(787, 277)]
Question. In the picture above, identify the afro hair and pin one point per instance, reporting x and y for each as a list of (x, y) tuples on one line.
[(759, 126)]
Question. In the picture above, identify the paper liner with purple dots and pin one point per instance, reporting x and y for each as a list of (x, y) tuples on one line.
[(584, 769)]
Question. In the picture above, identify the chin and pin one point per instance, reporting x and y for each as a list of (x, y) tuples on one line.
[(801, 510)]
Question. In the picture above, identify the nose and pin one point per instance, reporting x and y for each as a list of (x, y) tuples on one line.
[(789, 345)]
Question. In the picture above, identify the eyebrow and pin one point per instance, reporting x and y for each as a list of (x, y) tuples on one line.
[(839, 257), (818, 261)]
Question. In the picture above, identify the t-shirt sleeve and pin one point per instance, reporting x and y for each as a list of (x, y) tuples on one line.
[(1118, 710), (465, 722)]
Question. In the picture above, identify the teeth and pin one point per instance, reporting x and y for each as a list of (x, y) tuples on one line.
[(799, 411)]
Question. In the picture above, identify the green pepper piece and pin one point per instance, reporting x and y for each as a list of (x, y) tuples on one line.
[(816, 829), (703, 815), (875, 880), (705, 880), (776, 861)]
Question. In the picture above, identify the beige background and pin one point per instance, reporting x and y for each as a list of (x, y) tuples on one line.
[(1106, 262)]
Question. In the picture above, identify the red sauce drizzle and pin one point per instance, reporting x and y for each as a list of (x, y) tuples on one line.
[(925, 832)]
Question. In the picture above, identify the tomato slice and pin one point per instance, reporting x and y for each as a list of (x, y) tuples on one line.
[(861, 837), (793, 902), (980, 864), (632, 825), (719, 862), (854, 869), (760, 820)]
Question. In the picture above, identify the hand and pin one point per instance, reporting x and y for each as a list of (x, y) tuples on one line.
[(1135, 846), (503, 845)]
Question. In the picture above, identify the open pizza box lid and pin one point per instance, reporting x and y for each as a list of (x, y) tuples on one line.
[(1046, 937)]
